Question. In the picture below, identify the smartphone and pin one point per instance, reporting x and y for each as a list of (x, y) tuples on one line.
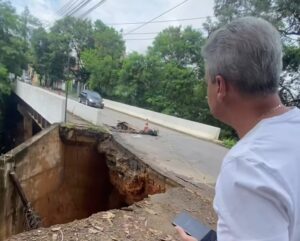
[(194, 227)]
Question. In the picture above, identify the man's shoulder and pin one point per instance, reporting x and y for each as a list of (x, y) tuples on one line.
[(272, 139)]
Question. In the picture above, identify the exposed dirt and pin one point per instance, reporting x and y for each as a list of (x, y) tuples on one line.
[(149, 219)]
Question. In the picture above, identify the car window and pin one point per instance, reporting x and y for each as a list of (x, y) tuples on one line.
[(95, 95)]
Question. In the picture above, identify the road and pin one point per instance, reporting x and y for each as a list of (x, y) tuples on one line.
[(187, 157)]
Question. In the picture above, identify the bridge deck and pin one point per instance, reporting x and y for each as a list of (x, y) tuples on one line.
[(189, 158)]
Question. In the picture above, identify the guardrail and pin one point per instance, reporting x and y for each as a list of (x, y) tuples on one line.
[(85, 112), (49, 105), (192, 128)]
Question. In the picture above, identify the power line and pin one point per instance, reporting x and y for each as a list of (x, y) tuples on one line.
[(72, 5), (161, 21), (169, 10), (92, 9), (78, 7), (65, 6)]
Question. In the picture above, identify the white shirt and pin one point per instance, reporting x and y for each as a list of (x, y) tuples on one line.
[(258, 189)]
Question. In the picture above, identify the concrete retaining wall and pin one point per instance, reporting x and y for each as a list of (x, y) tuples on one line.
[(85, 112), (38, 164), (50, 106), (189, 127)]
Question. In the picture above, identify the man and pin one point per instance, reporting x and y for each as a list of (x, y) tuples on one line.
[(258, 189)]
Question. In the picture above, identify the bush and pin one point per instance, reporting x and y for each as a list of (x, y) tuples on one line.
[(229, 142)]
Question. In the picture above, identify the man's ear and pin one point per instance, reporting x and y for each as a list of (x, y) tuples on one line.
[(222, 87)]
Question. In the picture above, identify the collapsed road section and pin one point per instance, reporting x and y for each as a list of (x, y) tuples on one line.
[(67, 173)]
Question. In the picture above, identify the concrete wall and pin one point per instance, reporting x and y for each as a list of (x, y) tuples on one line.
[(189, 127), (85, 112), (50, 106), (63, 181), (37, 163)]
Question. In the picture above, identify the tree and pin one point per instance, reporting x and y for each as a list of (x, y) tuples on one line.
[(12, 56), (27, 24), (104, 58), (58, 52), (283, 14), (12, 47), (180, 46), (103, 72), (139, 80)]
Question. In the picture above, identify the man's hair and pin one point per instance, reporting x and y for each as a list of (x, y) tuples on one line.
[(247, 53)]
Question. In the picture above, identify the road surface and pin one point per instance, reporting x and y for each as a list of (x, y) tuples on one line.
[(187, 157)]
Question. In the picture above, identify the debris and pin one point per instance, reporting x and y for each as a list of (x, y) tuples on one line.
[(93, 230), (55, 229), (127, 209), (96, 225), (124, 127), (55, 235), (109, 216), (150, 211)]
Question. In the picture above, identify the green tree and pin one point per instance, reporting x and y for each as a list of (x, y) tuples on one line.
[(139, 79), (12, 47), (180, 46), (103, 72), (12, 55), (52, 50), (283, 14), (104, 58)]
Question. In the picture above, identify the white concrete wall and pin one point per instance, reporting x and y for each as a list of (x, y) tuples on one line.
[(49, 105), (189, 127), (87, 113)]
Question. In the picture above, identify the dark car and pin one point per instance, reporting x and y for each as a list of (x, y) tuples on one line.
[(91, 98)]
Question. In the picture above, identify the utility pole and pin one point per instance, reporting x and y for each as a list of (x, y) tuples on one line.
[(67, 86)]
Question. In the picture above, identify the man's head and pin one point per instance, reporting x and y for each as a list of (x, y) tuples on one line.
[(243, 61)]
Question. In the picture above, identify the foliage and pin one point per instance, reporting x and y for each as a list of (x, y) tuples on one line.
[(12, 56), (103, 59), (180, 46), (52, 51), (283, 14), (228, 142)]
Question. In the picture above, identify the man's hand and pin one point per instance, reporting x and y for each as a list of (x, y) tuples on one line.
[(183, 235)]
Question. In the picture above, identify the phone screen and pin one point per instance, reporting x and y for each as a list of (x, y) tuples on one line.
[(194, 227)]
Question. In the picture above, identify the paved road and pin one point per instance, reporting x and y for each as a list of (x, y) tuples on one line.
[(190, 158)]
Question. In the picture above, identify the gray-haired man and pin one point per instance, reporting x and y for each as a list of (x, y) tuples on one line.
[(258, 189)]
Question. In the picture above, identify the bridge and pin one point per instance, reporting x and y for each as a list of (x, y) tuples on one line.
[(188, 149)]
